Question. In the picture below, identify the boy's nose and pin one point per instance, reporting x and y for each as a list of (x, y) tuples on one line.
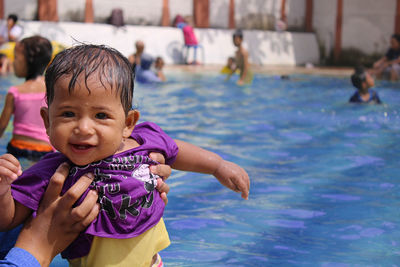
[(84, 127)]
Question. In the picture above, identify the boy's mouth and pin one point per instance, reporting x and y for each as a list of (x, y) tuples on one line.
[(81, 147)]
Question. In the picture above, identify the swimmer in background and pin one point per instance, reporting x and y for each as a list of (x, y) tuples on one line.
[(363, 81), (144, 73), (134, 59), (242, 61)]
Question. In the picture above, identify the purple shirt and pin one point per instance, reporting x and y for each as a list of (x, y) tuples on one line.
[(130, 205)]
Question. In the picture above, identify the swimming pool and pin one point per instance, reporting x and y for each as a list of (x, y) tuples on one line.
[(324, 173)]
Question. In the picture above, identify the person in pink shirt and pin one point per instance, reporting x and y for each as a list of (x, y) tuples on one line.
[(29, 139), (188, 36)]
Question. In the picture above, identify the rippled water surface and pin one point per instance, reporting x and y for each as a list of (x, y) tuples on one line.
[(324, 173)]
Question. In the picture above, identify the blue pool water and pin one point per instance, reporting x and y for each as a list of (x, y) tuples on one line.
[(324, 173)]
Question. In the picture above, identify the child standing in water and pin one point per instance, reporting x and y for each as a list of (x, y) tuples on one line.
[(29, 140), (90, 120), (363, 81), (241, 60)]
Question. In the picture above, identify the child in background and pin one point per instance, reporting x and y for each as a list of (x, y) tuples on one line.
[(363, 81), (32, 55), (188, 36), (11, 31), (242, 60), (90, 119), (158, 68)]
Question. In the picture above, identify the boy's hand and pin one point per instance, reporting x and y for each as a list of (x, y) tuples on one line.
[(10, 169), (234, 177)]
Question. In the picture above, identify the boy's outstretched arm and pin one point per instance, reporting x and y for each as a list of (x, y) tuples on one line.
[(195, 159)]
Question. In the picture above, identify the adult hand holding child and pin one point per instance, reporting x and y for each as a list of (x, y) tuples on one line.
[(58, 222)]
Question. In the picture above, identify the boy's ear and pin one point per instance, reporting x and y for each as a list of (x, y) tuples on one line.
[(44, 112), (130, 122)]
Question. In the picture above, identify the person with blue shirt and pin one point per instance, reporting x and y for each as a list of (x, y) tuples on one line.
[(144, 74), (363, 81), (142, 63)]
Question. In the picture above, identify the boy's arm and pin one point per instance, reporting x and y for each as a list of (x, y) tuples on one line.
[(11, 212), (195, 159)]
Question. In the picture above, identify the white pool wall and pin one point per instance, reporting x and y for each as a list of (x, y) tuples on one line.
[(265, 47)]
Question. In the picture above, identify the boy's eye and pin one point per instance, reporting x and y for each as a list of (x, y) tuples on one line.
[(68, 114), (101, 116)]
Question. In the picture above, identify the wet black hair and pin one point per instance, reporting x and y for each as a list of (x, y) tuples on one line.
[(238, 33), (13, 17), (396, 36), (108, 65), (37, 52), (358, 77)]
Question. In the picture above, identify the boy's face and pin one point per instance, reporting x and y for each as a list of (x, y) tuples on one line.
[(87, 127), (237, 41)]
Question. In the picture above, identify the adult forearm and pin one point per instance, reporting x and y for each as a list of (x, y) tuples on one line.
[(7, 210), (37, 244)]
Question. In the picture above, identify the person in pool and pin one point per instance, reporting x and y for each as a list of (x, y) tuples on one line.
[(90, 121), (241, 60), (363, 81), (144, 73)]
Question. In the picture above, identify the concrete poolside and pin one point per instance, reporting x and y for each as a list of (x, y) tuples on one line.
[(271, 70)]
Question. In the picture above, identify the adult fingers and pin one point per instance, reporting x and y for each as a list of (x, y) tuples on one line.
[(164, 198), (94, 212), (56, 183), (75, 192), (162, 187), (161, 170), (157, 157), (87, 211)]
